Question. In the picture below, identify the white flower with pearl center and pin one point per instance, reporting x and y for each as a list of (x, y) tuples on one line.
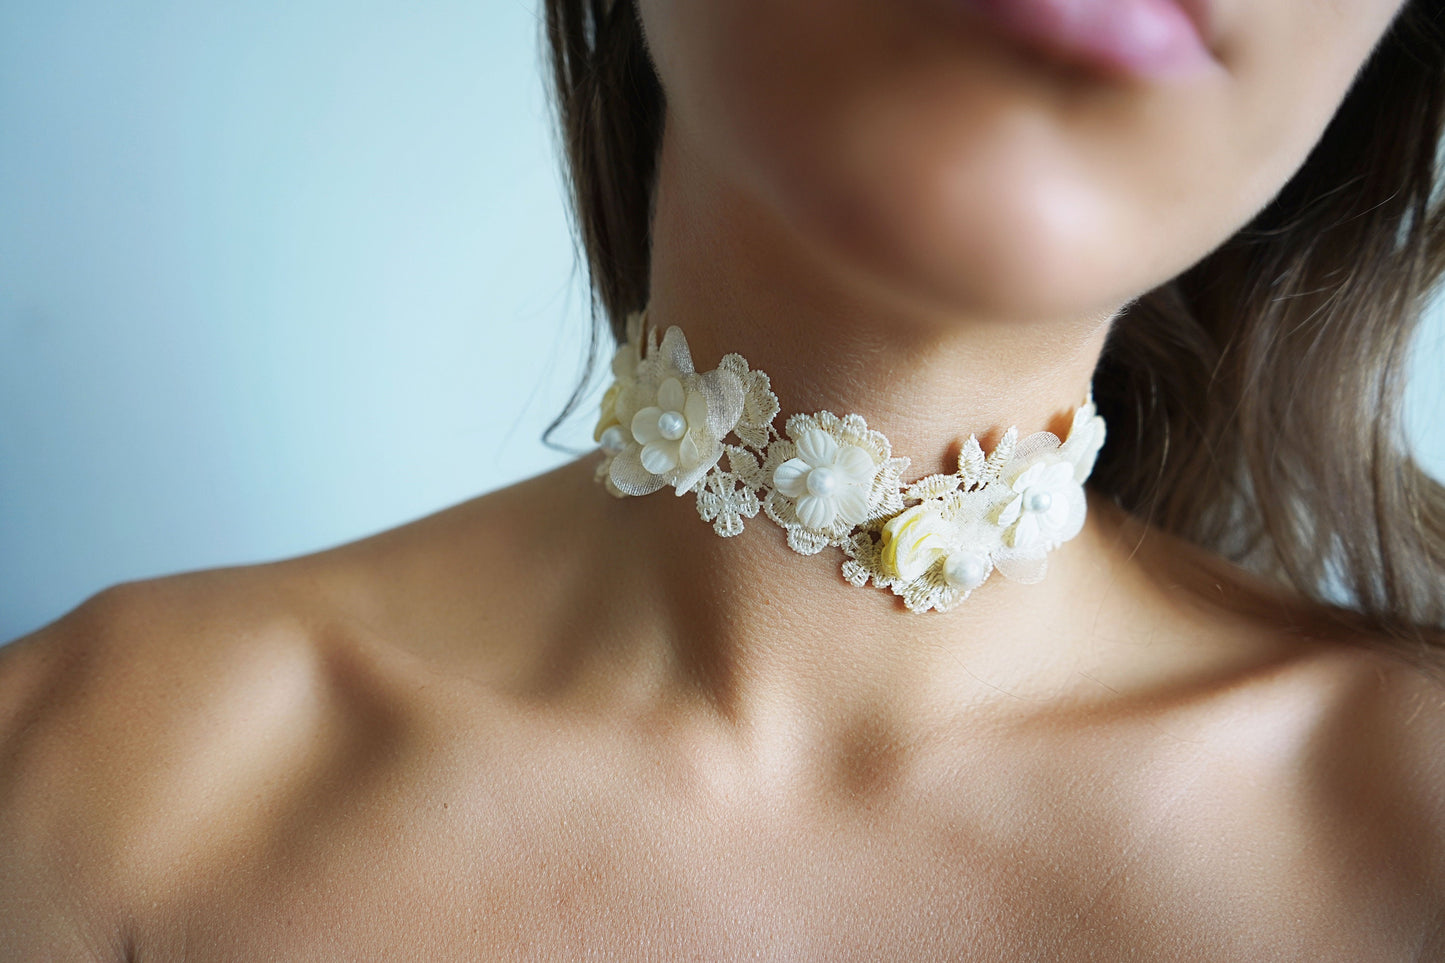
[(828, 482), (665, 422), (669, 430), (1047, 506)]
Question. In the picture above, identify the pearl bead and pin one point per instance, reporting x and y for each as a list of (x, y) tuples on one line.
[(614, 439), (822, 481), (1037, 501), (671, 425), (962, 569)]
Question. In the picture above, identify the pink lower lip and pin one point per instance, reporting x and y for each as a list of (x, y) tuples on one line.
[(1144, 38)]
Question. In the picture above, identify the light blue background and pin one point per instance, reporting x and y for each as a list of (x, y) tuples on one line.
[(274, 276)]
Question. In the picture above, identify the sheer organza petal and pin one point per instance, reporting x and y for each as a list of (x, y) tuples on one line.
[(726, 398), (673, 351), (709, 453), (630, 477), (1030, 447), (1020, 566)]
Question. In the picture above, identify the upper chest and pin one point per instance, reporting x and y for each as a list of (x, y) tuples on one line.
[(1228, 835)]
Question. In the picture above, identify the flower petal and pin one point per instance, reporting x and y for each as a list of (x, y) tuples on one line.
[(644, 425), (791, 477), (709, 453), (851, 504), (1011, 511), (1027, 478), (1088, 452), (1020, 566), (695, 410), (1070, 521), (660, 456), (726, 398), (1056, 476), (670, 396), (673, 350), (1086, 437), (1059, 510), (1025, 535), (815, 511), (608, 406), (630, 400), (688, 452), (626, 472), (624, 361), (817, 447), (856, 462)]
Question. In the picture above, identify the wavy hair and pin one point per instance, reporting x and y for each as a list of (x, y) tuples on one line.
[(1254, 401)]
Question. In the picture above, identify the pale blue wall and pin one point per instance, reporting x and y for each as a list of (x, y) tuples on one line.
[(275, 275), (1425, 396)]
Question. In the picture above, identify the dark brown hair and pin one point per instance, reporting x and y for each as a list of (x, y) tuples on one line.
[(1254, 402)]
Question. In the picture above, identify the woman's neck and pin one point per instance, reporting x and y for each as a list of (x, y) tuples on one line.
[(736, 279), (758, 623)]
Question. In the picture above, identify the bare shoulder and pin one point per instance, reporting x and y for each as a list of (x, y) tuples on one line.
[(1333, 748), (1379, 764), (1388, 716), (127, 728), (168, 728), (1407, 728)]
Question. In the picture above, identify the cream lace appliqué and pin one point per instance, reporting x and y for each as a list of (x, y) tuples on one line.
[(833, 481)]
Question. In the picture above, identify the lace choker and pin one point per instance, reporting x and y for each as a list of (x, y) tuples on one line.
[(831, 481)]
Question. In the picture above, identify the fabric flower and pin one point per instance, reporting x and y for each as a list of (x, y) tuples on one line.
[(949, 536), (1046, 508), (671, 419), (827, 477), (1003, 512), (913, 540), (828, 481), (672, 432), (625, 361), (1086, 437)]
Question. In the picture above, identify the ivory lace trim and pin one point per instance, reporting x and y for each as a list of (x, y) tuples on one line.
[(833, 481)]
